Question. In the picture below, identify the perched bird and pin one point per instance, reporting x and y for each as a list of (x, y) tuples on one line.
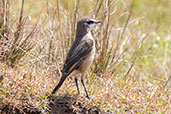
[(81, 55)]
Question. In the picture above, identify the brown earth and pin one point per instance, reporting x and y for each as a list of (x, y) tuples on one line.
[(57, 105)]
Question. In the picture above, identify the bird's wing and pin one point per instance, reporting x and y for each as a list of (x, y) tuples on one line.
[(77, 54)]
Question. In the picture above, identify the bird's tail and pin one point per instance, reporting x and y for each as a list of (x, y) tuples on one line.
[(59, 84)]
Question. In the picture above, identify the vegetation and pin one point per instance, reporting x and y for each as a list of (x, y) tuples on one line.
[(131, 71)]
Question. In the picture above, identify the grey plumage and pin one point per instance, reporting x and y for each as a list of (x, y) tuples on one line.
[(81, 54)]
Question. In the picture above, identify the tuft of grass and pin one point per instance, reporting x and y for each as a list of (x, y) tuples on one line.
[(15, 42)]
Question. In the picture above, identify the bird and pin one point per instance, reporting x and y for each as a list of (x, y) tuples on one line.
[(81, 54)]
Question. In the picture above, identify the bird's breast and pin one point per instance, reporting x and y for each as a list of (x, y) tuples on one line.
[(89, 59)]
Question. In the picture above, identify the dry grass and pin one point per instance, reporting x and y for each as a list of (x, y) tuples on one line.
[(131, 71)]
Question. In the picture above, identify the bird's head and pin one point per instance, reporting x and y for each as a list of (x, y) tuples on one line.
[(86, 24)]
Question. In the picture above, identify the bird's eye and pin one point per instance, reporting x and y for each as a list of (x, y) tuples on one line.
[(90, 22)]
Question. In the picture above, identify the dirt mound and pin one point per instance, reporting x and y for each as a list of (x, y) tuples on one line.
[(70, 105), (57, 105)]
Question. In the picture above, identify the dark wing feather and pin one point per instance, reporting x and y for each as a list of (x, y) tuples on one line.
[(77, 54)]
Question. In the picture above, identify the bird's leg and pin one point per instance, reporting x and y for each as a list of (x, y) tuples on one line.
[(76, 81), (82, 81)]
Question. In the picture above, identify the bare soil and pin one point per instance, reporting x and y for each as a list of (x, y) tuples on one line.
[(57, 105)]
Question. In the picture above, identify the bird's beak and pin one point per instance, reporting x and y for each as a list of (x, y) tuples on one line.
[(97, 21)]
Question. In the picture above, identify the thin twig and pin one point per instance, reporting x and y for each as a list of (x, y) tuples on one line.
[(98, 9), (134, 56), (167, 82), (161, 80), (17, 34), (120, 37), (129, 16)]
